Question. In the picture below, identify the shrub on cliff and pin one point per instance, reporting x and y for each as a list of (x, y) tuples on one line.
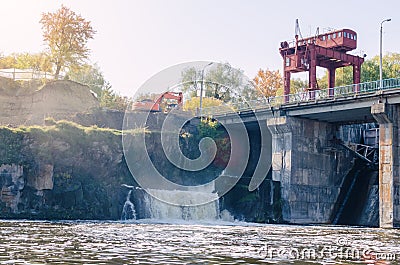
[(10, 145)]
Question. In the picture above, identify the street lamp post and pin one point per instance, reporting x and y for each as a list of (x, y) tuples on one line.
[(201, 88), (380, 55)]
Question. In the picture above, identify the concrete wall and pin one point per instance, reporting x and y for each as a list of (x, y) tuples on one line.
[(309, 169), (396, 165), (388, 117)]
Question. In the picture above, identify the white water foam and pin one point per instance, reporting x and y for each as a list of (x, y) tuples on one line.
[(128, 211), (178, 209)]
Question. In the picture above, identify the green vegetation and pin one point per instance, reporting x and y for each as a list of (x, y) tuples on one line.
[(209, 128), (111, 100), (194, 103), (92, 76), (36, 61), (369, 71), (212, 129), (47, 143), (11, 145), (222, 82)]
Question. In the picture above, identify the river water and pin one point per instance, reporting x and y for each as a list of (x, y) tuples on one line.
[(148, 242)]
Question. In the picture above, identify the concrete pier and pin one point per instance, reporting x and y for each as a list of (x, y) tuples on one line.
[(310, 172), (388, 118)]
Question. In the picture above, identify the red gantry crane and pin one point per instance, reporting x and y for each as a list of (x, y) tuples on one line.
[(328, 50)]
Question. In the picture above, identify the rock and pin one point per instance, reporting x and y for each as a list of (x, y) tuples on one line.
[(11, 184), (44, 180)]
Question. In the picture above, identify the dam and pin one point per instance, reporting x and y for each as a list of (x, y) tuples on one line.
[(308, 146)]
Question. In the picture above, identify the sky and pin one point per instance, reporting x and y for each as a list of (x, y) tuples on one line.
[(137, 39)]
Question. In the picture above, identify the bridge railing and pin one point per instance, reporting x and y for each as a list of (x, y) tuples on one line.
[(304, 97)]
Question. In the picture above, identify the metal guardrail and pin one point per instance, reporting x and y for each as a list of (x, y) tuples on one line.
[(26, 74), (304, 97)]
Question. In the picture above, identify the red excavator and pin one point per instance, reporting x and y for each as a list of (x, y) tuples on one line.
[(164, 103)]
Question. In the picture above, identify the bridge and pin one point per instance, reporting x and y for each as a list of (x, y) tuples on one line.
[(298, 130), (352, 102)]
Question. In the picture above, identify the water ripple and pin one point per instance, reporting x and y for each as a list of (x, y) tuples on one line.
[(23, 242)]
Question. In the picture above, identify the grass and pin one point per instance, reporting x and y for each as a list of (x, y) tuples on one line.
[(56, 139)]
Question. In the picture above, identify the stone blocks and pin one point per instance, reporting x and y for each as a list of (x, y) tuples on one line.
[(309, 175)]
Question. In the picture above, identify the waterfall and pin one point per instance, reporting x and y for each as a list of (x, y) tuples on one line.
[(128, 211), (225, 215), (159, 209), (164, 204)]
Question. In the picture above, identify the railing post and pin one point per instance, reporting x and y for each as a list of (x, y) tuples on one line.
[(356, 88), (331, 92), (311, 94)]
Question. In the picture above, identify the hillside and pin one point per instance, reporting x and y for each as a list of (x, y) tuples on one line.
[(29, 103)]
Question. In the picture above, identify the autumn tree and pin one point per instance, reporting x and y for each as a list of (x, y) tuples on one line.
[(66, 34), (268, 82)]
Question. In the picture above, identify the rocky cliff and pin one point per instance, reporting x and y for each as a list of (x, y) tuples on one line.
[(61, 171), (68, 171)]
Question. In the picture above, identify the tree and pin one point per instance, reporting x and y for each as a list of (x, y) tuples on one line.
[(194, 103), (92, 76), (268, 82), (35, 61), (391, 65), (343, 77), (225, 82), (7, 61), (66, 34), (369, 71), (191, 77), (109, 99), (222, 82), (298, 85), (89, 75)]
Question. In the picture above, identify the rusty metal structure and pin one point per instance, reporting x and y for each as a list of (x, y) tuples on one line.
[(328, 50)]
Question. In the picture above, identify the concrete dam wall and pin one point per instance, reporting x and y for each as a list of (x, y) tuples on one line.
[(319, 181)]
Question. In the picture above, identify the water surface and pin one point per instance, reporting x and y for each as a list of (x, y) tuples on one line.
[(25, 242)]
